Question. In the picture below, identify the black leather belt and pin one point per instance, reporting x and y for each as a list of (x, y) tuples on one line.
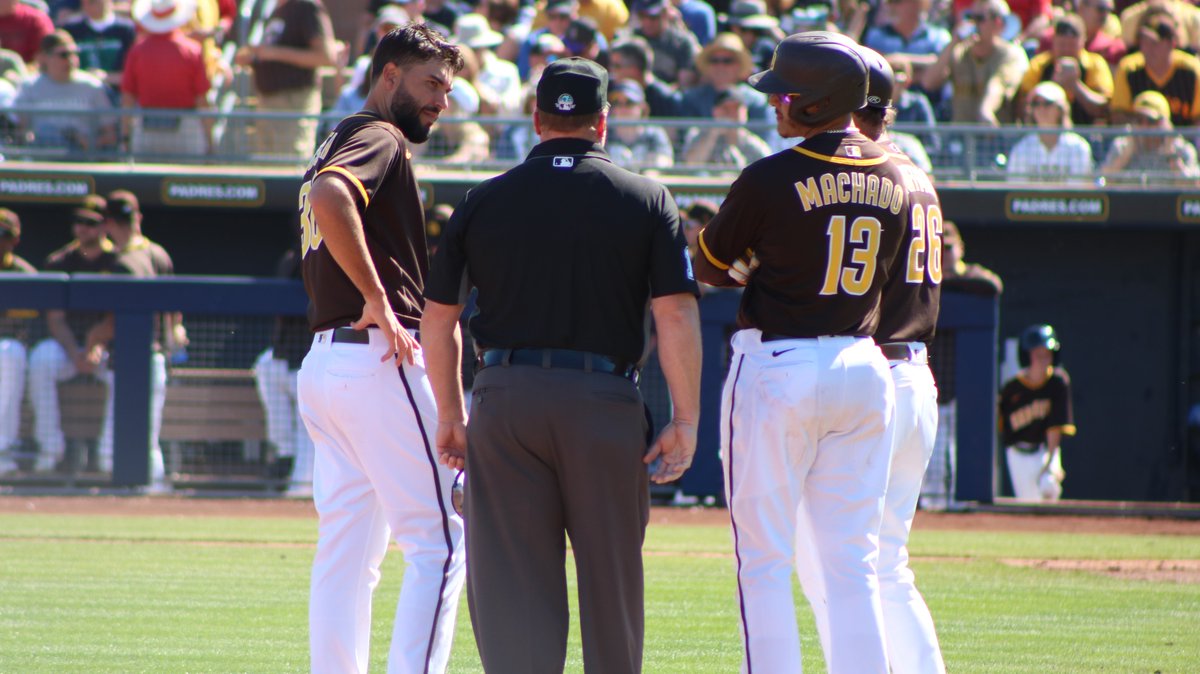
[(558, 358), (897, 351), (773, 337), (1027, 447), (350, 336)]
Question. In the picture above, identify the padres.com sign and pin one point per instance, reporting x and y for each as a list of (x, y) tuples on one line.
[(221, 192), (1052, 207)]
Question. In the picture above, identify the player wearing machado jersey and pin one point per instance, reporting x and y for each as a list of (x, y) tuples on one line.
[(363, 392), (909, 312), (806, 413)]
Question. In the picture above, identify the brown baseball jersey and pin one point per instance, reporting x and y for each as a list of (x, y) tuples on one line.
[(1027, 412), (825, 219), (913, 294), (372, 156)]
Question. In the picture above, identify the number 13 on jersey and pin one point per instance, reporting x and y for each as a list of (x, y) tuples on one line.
[(862, 237)]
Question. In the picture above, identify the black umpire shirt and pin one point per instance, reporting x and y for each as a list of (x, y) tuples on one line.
[(565, 249)]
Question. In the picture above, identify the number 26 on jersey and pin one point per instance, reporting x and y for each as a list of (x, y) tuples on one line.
[(862, 237)]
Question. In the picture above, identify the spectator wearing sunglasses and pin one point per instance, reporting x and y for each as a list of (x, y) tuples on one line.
[(60, 85), (635, 146), (724, 66), (1053, 151), (1186, 15), (1084, 76), (1151, 156), (984, 69), (1159, 66)]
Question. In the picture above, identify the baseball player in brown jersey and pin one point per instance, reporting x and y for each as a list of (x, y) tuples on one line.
[(807, 406), (1035, 414), (908, 317), (363, 392)]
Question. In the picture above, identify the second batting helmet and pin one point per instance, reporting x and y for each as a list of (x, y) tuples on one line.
[(816, 68), (1035, 336), (881, 80)]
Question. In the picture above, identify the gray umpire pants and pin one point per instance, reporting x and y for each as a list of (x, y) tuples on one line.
[(555, 453)]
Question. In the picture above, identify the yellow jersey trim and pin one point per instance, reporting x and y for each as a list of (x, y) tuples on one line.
[(840, 160), (1067, 429), (712, 260), (353, 181)]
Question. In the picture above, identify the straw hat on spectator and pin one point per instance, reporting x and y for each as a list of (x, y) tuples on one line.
[(163, 16), (726, 42)]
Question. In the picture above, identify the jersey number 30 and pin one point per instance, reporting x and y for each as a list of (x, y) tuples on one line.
[(310, 236), (855, 276)]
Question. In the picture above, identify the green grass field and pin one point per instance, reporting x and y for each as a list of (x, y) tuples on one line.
[(206, 594)]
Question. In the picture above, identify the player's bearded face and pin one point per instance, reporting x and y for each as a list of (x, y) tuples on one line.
[(407, 111)]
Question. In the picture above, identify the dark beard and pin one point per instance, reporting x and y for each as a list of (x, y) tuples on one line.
[(407, 115)]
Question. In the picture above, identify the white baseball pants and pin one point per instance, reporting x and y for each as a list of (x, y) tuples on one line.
[(277, 389), (377, 477), (12, 388), (806, 434), (49, 365), (1026, 471)]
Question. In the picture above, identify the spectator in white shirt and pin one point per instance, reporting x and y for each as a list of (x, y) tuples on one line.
[(1053, 151)]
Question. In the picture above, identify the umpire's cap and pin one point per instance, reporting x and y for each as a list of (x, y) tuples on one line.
[(572, 86), (816, 68), (1035, 336)]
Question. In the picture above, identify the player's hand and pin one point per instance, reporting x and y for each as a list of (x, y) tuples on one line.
[(378, 313), (676, 445), (451, 441)]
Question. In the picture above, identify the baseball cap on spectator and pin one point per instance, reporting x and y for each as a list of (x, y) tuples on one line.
[(1152, 105), (10, 224), (90, 212), (393, 15), (701, 210), (751, 15), (580, 35), (122, 206), (547, 43), (572, 86), (561, 6), (1070, 25), (1053, 93), (474, 31), (630, 89), (651, 7), (162, 16), (729, 94)]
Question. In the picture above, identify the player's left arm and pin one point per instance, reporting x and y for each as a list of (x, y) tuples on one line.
[(441, 340)]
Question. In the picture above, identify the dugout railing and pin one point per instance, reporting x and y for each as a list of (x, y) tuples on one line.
[(213, 411)]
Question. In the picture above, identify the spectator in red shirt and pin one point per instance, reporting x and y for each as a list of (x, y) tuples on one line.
[(165, 70), (22, 28)]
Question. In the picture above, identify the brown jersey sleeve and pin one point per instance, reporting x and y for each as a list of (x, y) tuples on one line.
[(733, 231), (364, 160)]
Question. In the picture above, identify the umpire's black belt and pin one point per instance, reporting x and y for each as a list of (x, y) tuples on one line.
[(565, 359)]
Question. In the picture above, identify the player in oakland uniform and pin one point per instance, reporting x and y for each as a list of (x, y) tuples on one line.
[(807, 406), (1035, 413), (908, 317), (363, 392)]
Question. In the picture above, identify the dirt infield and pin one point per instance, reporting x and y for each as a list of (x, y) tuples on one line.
[(265, 507), (1176, 571)]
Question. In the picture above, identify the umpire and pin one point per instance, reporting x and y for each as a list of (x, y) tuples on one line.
[(565, 251)]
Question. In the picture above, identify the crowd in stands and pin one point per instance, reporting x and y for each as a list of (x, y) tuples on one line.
[(1112, 63)]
